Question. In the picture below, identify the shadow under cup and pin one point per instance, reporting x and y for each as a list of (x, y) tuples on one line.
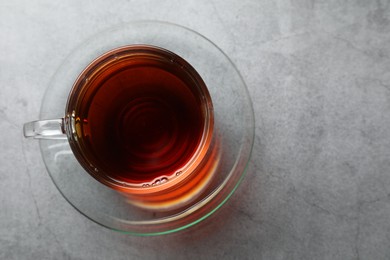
[(139, 119)]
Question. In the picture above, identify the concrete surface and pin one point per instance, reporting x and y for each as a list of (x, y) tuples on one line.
[(318, 185)]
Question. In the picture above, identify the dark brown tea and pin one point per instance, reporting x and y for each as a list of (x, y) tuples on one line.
[(140, 115)]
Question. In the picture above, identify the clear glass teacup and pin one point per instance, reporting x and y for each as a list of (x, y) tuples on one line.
[(146, 128)]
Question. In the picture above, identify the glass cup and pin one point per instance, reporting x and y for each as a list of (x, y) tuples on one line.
[(138, 158), (139, 119)]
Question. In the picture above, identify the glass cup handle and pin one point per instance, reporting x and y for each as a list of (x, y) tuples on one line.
[(45, 129)]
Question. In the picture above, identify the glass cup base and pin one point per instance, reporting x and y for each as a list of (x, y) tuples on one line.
[(232, 139)]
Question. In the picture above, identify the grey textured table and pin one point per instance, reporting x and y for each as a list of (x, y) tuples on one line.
[(318, 185)]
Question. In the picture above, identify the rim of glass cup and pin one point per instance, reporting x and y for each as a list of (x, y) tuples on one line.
[(111, 57), (224, 191)]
